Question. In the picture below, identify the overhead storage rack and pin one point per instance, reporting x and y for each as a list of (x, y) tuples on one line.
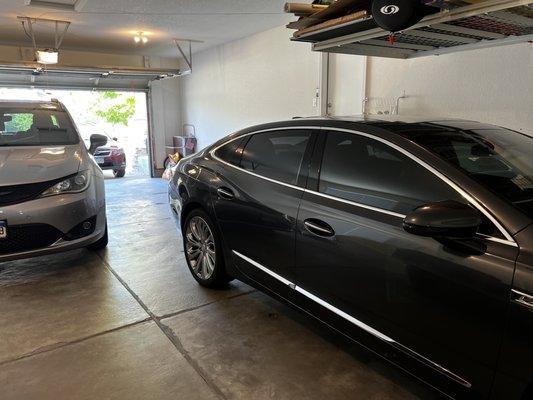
[(485, 24)]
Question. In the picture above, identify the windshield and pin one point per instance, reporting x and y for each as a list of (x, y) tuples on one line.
[(499, 159), (35, 126)]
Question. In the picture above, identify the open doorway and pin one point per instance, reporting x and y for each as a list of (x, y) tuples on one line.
[(121, 116)]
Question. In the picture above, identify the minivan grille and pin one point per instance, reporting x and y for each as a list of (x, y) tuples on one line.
[(20, 193), (28, 237)]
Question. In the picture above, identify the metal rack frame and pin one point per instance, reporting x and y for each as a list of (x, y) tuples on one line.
[(487, 24)]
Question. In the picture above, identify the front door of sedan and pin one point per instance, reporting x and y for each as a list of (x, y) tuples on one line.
[(256, 199), (435, 300)]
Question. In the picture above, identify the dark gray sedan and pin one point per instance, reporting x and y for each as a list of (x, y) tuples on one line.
[(413, 237)]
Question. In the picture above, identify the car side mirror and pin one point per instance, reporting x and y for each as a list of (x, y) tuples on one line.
[(97, 141), (445, 219)]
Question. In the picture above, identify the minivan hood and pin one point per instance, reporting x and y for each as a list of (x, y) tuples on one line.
[(20, 165)]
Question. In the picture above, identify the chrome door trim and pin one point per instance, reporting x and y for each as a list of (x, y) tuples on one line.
[(521, 298), (264, 269), (509, 240), (353, 203), (356, 322)]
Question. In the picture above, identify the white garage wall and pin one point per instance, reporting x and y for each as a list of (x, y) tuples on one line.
[(346, 84), (166, 119), (262, 78), (491, 85)]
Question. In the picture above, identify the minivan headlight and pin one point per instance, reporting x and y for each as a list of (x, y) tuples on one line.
[(74, 184)]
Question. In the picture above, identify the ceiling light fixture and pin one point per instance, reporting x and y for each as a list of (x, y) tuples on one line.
[(140, 37), (47, 56)]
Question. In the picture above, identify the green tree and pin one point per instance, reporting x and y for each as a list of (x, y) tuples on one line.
[(19, 122), (115, 108)]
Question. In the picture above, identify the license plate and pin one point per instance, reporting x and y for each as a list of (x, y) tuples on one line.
[(3, 229), (99, 160)]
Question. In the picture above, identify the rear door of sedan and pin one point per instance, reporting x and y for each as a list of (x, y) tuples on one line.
[(260, 182), (435, 301)]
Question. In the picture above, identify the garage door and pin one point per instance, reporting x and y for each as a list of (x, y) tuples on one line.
[(83, 78)]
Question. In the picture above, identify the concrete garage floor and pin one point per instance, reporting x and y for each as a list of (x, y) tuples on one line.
[(131, 323)]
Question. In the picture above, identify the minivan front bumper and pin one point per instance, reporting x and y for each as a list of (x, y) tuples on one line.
[(52, 224)]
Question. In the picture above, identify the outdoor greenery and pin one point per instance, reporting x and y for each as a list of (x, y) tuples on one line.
[(115, 108), (19, 122)]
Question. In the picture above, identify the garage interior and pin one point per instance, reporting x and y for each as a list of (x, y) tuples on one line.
[(129, 322)]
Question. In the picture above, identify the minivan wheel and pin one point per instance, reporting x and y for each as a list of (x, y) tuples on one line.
[(100, 243), (203, 250), (119, 173)]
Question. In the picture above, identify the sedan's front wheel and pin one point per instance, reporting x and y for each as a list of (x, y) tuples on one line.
[(203, 250)]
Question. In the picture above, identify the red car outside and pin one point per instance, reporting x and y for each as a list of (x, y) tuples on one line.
[(111, 157)]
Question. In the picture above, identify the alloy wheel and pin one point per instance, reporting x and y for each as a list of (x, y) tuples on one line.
[(200, 248)]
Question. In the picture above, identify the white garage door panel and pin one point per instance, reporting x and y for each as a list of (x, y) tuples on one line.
[(80, 78)]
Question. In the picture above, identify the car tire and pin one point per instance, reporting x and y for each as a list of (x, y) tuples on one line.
[(119, 173), (204, 250), (100, 243)]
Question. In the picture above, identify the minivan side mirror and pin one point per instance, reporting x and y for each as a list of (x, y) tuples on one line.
[(97, 141), (444, 219)]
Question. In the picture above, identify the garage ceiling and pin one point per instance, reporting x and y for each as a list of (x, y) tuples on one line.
[(104, 25)]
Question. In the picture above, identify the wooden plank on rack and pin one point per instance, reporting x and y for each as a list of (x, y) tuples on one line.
[(335, 10), (332, 22)]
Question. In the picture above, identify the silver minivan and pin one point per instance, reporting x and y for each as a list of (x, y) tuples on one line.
[(52, 195)]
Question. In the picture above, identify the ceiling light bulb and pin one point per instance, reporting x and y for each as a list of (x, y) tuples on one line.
[(47, 56), (136, 39), (144, 39)]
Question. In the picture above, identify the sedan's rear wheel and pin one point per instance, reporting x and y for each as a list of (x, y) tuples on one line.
[(203, 250)]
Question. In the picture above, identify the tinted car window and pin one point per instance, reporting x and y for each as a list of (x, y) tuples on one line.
[(35, 127), (277, 155), (230, 152), (369, 172), (498, 159)]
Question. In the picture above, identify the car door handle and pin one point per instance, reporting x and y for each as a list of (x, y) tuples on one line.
[(319, 228), (225, 193)]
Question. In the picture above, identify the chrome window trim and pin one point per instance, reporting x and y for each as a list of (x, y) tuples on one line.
[(212, 154), (367, 328), (340, 200), (509, 240), (453, 185)]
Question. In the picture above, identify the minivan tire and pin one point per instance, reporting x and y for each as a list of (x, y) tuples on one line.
[(100, 243), (119, 173)]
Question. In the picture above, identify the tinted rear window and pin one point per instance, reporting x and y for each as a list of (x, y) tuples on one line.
[(35, 126), (276, 155), (230, 152)]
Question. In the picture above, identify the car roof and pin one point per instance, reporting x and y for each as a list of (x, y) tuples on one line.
[(13, 104), (399, 122)]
